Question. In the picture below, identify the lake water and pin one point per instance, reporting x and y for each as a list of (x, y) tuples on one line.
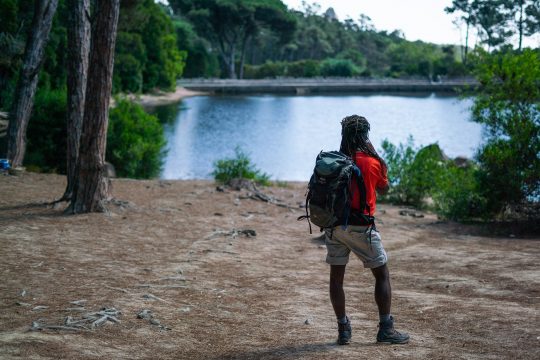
[(283, 134)]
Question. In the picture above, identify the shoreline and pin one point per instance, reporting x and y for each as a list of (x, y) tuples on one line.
[(164, 98)]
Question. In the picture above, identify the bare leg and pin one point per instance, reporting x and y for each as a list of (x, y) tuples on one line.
[(383, 291), (337, 295)]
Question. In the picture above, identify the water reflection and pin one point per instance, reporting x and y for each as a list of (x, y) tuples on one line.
[(283, 134)]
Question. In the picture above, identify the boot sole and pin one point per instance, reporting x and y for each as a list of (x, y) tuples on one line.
[(390, 342)]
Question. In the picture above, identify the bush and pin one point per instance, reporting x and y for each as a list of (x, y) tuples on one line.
[(303, 69), (418, 174), (240, 166), (413, 172), (46, 134), (135, 141), (339, 67), (508, 105), (457, 194)]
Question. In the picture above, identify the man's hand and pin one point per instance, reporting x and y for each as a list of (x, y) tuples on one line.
[(383, 190)]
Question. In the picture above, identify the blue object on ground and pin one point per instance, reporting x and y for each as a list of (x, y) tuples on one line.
[(4, 164)]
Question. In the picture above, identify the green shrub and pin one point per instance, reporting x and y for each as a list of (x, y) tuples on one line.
[(508, 105), (339, 67), (303, 69), (240, 166), (418, 174), (135, 141), (46, 134), (457, 194), (270, 69)]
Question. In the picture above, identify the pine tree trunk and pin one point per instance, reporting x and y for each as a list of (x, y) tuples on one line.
[(77, 63), (91, 190), (28, 79), (243, 56)]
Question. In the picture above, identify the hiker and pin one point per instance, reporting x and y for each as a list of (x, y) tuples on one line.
[(360, 236)]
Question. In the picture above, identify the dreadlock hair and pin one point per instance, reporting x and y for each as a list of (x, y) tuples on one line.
[(354, 137)]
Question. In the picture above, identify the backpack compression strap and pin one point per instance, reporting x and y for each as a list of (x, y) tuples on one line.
[(308, 197)]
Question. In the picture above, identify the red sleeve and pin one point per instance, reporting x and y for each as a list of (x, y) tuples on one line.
[(382, 178)]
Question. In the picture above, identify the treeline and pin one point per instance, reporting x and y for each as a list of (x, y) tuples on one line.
[(263, 39)]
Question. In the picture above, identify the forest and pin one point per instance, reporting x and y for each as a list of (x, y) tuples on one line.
[(157, 43)]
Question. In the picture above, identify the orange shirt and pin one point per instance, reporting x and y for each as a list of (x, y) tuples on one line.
[(373, 178)]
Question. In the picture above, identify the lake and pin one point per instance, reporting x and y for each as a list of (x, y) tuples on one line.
[(283, 134)]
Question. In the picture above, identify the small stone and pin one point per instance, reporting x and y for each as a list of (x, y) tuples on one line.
[(307, 322), (185, 309), (220, 189), (155, 322), (40, 307), (218, 214)]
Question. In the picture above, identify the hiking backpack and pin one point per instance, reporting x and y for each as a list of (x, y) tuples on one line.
[(329, 196)]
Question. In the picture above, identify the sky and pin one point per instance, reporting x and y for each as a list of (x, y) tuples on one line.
[(419, 19)]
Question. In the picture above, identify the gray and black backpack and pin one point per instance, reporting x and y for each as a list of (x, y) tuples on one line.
[(329, 196)]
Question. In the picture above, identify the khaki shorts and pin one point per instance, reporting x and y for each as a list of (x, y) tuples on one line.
[(340, 243)]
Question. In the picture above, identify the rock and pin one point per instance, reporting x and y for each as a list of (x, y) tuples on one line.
[(220, 189), (110, 171), (463, 162), (18, 171), (307, 322), (239, 184), (432, 150), (145, 314)]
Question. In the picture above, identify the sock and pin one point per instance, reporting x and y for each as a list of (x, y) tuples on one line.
[(343, 320), (384, 318)]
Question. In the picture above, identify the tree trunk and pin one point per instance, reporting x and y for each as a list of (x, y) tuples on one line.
[(520, 24), (28, 79), (77, 63), (466, 43), (243, 56), (91, 187), (231, 64)]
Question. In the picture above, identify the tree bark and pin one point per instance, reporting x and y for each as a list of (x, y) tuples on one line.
[(77, 63), (245, 42), (466, 43), (91, 189), (28, 79)]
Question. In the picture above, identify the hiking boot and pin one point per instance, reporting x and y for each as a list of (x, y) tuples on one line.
[(345, 332), (388, 335)]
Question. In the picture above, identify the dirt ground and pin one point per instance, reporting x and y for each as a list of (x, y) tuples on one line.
[(167, 247)]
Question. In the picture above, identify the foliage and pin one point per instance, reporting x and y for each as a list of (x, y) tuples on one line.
[(231, 24), (497, 21), (508, 106), (46, 135), (417, 175), (240, 166), (412, 172), (339, 67), (135, 141), (147, 56), (200, 60), (303, 69)]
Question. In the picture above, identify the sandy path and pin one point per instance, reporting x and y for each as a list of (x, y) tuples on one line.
[(460, 295)]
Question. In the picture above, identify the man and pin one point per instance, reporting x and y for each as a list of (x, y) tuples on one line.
[(361, 238)]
